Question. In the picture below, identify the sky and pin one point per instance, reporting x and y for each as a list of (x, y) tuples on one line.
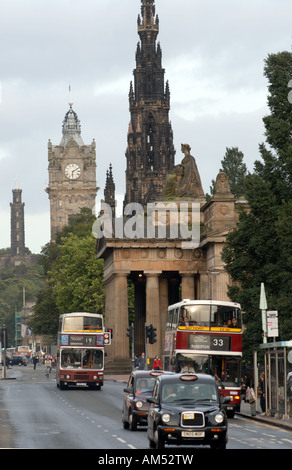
[(213, 53)]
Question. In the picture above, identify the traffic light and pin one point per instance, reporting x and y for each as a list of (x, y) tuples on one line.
[(130, 332), (110, 330), (151, 334), (3, 338), (148, 332)]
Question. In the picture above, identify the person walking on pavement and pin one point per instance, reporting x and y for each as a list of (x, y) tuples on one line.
[(263, 393), (34, 360), (48, 365), (136, 362), (157, 363), (142, 362)]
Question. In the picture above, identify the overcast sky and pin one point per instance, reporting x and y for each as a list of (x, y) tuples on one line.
[(213, 52)]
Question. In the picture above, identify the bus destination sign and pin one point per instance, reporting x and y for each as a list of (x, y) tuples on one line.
[(209, 342), (82, 340)]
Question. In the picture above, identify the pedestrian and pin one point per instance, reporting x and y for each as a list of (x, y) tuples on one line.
[(263, 393), (34, 360), (243, 390), (252, 401), (142, 362), (157, 363), (136, 362), (48, 365)]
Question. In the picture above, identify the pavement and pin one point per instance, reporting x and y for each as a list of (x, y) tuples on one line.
[(245, 409)]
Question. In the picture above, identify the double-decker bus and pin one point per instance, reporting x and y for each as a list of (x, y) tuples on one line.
[(23, 351), (80, 353), (205, 336)]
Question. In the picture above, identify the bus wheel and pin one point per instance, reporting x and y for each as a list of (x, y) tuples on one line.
[(94, 386)]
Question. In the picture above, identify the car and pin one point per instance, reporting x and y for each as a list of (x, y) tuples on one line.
[(135, 405), (19, 360), (186, 409)]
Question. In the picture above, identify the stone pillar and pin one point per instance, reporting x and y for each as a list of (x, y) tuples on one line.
[(219, 284), (163, 301), (204, 285), (153, 311), (116, 315), (187, 286)]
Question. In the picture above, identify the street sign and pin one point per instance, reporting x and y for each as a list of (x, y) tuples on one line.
[(272, 323)]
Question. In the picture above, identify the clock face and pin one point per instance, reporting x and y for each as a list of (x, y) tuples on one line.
[(72, 171)]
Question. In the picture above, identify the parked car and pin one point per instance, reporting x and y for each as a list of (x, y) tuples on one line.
[(19, 360), (186, 409), (135, 405)]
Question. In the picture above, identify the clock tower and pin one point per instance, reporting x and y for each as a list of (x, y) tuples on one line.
[(72, 174)]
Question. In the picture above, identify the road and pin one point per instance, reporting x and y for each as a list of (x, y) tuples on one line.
[(35, 414)]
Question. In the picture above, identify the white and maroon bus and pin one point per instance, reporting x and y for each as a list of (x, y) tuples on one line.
[(80, 353), (205, 336)]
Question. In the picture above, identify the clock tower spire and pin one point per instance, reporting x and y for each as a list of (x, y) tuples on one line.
[(72, 174)]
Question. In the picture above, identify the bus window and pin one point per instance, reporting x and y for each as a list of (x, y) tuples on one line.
[(224, 316), (195, 315), (75, 323), (92, 359), (199, 363), (175, 319), (226, 370), (82, 358), (71, 358), (91, 323)]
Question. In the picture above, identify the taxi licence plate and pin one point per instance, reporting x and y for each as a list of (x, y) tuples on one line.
[(192, 434)]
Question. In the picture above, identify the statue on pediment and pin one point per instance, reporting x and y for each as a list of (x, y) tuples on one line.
[(184, 180)]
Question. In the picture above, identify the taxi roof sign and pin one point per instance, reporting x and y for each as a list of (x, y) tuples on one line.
[(189, 377)]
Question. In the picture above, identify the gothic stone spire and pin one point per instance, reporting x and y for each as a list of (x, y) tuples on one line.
[(150, 152)]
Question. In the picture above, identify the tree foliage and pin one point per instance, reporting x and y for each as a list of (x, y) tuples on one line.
[(74, 276), (14, 284), (259, 249)]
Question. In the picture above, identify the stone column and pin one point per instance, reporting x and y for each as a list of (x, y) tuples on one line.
[(153, 311), (116, 313), (163, 303), (204, 285), (187, 286)]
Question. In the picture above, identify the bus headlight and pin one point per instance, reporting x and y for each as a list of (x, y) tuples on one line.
[(139, 404), (219, 418), (165, 418), (68, 377)]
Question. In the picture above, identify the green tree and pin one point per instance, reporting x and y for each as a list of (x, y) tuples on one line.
[(77, 276), (74, 276), (259, 248), (14, 283)]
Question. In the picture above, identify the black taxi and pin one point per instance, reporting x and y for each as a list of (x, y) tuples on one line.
[(186, 410), (135, 405)]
